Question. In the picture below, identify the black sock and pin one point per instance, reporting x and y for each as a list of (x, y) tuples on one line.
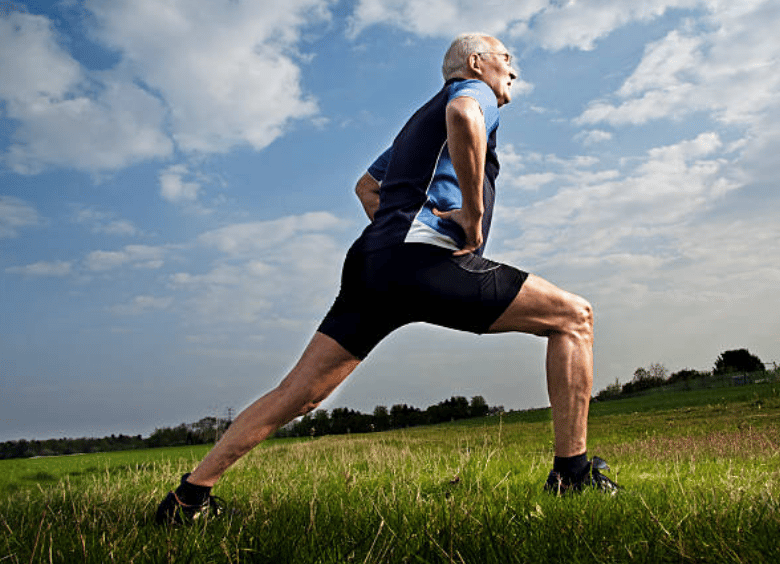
[(571, 468), (192, 494)]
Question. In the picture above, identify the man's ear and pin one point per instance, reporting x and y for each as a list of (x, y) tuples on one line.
[(475, 64)]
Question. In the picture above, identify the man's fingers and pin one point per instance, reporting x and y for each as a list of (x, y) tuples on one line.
[(472, 243)]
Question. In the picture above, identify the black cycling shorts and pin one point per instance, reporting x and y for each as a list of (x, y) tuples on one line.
[(386, 289)]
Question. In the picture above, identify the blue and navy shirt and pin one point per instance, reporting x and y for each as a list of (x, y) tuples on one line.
[(417, 175)]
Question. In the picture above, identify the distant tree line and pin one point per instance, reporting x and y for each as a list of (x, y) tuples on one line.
[(207, 430), (341, 421), (733, 362), (204, 431)]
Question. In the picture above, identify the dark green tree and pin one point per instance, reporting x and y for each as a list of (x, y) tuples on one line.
[(478, 407), (646, 378), (739, 360), (685, 375), (612, 391), (402, 416), (321, 422), (381, 418)]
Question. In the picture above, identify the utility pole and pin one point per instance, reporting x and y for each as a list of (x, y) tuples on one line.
[(219, 429)]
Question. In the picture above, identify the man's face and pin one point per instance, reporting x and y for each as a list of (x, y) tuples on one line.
[(497, 71)]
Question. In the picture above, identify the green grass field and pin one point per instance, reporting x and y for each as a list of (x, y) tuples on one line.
[(700, 470)]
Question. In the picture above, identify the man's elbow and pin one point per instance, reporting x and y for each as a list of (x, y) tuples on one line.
[(366, 186)]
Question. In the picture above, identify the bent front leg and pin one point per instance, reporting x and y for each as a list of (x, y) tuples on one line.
[(543, 309), (322, 367)]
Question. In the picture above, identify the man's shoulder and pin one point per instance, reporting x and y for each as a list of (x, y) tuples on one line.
[(482, 93), (473, 88)]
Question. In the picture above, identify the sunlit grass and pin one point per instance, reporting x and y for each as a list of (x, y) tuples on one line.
[(702, 483)]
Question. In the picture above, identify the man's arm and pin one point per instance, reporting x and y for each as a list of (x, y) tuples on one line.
[(367, 190), (467, 143)]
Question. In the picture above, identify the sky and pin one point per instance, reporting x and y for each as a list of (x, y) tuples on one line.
[(177, 194)]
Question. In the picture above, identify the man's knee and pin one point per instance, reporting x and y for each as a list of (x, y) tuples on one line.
[(580, 318), (322, 367), (300, 395), (543, 309)]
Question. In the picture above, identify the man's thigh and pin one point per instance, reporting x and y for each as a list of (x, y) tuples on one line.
[(465, 292), (539, 308)]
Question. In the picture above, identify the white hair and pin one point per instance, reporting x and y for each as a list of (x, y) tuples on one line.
[(460, 50)]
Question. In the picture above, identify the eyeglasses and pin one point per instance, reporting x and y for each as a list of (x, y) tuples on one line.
[(506, 56)]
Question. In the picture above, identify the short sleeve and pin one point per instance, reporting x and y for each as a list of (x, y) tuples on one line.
[(379, 167), (484, 96)]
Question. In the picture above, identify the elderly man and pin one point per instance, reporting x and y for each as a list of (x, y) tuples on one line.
[(430, 200)]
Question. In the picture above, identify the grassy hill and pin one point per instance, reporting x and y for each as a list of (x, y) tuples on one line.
[(700, 470)]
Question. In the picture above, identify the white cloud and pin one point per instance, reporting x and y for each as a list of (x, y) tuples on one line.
[(533, 181), (551, 24), (137, 256), (246, 239), (593, 137), (224, 68), (759, 150), (143, 304), (581, 24), (728, 70), (55, 269), (443, 17), (673, 102), (530, 171), (222, 73), (68, 117), (296, 280), (275, 273), (665, 64), (174, 189), (722, 66), (103, 222), (26, 39), (662, 85), (731, 258), (15, 214), (118, 227), (607, 213)]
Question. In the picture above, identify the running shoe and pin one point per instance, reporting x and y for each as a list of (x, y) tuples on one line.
[(173, 511), (592, 478)]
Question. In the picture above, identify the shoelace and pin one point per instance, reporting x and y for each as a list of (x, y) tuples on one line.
[(211, 502)]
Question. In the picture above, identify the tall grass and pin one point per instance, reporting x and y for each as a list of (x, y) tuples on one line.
[(701, 484)]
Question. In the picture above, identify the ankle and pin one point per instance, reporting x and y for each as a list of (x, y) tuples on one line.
[(571, 468), (192, 494)]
